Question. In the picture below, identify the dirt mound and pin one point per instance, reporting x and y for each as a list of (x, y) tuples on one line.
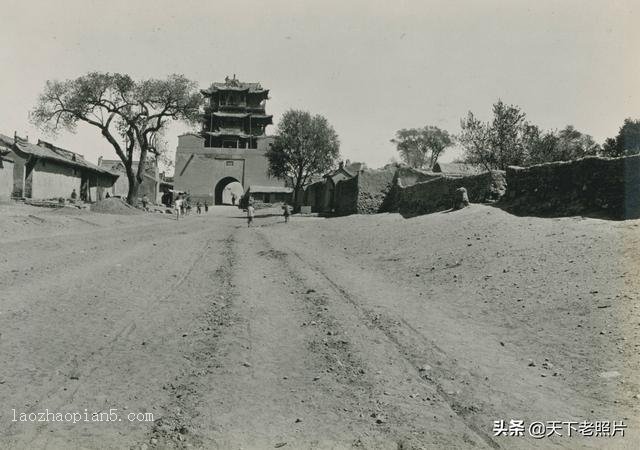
[(114, 206)]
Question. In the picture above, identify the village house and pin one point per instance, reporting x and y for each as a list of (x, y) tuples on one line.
[(151, 186), (270, 194), (320, 195), (45, 171)]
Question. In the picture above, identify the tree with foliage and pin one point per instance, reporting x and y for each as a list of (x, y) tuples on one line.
[(130, 115), (627, 142), (420, 147), (564, 145), (499, 143), (304, 146), (510, 140), (572, 144)]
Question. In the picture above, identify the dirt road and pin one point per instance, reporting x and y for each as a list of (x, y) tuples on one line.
[(362, 332)]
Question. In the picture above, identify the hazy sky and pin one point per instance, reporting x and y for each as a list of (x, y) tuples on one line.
[(370, 67)]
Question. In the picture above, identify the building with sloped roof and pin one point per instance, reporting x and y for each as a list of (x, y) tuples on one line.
[(6, 167), (46, 171), (456, 170), (151, 185), (231, 146), (270, 194)]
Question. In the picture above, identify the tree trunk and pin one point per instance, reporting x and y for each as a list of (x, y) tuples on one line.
[(132, 195), (297, 191)]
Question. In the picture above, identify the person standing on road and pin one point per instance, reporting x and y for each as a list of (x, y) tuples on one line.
[(287, 213), (145, 200), (177, 205), (250, 214)]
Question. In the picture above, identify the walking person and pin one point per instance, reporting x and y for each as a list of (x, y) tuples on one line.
[(199, 208), (250, 213)]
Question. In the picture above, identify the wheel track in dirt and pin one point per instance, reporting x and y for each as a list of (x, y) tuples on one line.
[(92, 360), (175, 429), (372, 322)]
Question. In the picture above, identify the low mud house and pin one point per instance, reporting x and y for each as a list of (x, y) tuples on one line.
[(270, 194), (320, 195), (45, 171), (151, 185)]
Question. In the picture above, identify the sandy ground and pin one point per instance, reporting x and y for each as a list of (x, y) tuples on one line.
[(355, 332)]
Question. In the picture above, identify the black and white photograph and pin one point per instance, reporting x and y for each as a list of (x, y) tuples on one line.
[(245, 224)]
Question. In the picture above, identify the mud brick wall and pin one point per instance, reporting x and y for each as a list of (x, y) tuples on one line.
[(6, 180), (408, 176), (369, 192), (605, 186), (346, 196), (437, 194), (374, 191)]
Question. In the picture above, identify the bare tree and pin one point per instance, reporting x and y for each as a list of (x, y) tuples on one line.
[(129, 114)]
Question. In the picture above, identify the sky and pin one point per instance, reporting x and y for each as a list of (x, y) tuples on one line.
[(370, 67)]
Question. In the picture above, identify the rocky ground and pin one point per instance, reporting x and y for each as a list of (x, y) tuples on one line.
[(354, 332)]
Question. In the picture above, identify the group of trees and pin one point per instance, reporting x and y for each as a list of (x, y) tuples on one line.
[(508, 139), (627, 142), (132, 115)]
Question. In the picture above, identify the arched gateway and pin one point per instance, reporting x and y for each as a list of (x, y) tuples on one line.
[(229, 154), (224, 190)]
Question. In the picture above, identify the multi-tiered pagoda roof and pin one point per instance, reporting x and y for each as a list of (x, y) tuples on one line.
[(235, 115)]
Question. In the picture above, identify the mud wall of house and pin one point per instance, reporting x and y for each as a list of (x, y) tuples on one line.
[(606, 186), (18, 176), (313, 196), (345, 198), (375, 191), (52, 180), (438, 194), (408, 176), (100, 185), (6, 180)]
